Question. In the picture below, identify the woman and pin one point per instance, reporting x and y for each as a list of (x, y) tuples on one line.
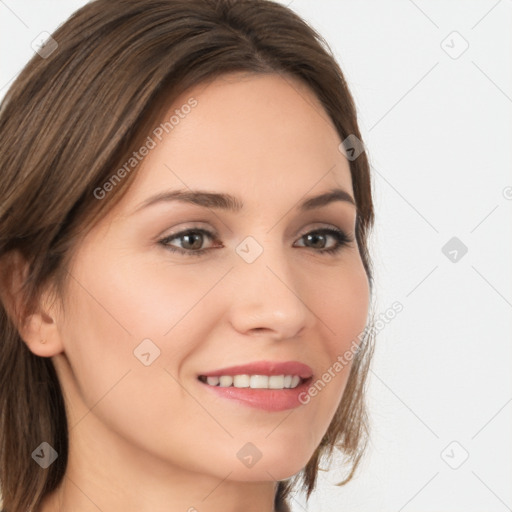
[(186, 284)]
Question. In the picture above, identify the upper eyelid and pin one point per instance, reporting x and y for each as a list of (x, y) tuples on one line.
[(214, 233), (209, 232)]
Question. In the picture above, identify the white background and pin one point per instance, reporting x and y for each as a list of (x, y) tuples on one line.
[(439, 137)]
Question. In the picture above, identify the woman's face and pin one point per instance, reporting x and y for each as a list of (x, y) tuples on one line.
[(146, 319)]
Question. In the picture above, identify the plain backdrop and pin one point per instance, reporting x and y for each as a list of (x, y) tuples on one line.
[(432, 82)]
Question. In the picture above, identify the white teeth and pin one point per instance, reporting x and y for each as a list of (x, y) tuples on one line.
[(255, 381), (276, 382), (241, 381), (226, 381), (259, 381), (213, 381)]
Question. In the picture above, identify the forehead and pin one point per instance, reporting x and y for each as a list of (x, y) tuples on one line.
[(256, 136)]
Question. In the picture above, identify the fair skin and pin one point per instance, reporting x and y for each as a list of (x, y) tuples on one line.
[(152, 438)]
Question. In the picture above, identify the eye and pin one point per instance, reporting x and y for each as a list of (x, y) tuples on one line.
[(318, 239), (192, 241)]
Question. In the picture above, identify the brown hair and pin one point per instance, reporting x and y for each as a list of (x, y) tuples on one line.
[(70, 119)]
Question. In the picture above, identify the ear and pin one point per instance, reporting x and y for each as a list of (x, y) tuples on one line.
[(39, 329)]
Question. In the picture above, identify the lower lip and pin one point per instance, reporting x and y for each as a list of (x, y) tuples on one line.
[(265, 399)]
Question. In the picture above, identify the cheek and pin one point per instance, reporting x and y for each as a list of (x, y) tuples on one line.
[(150, 299), (134, 300), (341, 305), (106, 321), (129, 309)]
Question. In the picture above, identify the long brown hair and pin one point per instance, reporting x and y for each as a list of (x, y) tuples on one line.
[(70, 119)]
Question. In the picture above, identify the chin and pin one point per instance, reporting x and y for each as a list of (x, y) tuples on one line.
[(278, 463)]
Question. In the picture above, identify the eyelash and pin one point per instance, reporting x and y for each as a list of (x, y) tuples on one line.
[(342, 240)]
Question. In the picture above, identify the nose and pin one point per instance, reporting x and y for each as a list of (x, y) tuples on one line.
[(269, 298)]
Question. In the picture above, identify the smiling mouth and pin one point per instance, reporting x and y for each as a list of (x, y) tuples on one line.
[(254, 381)]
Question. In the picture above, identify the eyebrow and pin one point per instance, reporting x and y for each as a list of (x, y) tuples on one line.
[(233, 204)]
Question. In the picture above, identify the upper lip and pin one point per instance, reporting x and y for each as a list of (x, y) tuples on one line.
[(265, 368)]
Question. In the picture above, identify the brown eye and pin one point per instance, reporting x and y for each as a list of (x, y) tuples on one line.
[(318, 238), (192, 241)]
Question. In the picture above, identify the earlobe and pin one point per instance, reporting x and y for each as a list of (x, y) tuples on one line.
[(41, 335)]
